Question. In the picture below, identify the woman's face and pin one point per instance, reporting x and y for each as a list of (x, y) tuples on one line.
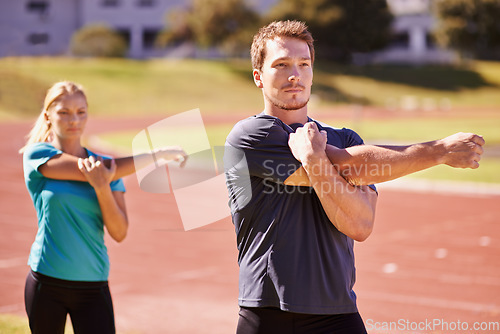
[(68, 116)]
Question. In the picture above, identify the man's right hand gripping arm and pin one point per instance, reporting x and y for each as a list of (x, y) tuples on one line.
[(351, 209)]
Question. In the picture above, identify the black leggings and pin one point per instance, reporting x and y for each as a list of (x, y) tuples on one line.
[(48, 300), (268, 320)]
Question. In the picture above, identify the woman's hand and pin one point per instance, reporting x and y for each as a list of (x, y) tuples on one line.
[(112, 203), (95, 171), (175, 153)]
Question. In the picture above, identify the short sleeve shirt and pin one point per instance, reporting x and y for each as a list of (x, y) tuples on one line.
[(69, 243), (290, 255)]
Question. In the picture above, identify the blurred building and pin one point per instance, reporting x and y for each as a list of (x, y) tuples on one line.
[(37, 27), (45, 27), (412, 36)]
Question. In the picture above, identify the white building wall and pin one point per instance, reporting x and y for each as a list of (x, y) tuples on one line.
[(130, 16), (418, 51), (413, 18), (32, 32)]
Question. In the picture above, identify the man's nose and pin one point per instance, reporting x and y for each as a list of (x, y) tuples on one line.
[(294, 75)]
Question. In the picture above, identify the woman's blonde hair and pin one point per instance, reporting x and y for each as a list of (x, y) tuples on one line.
[(42, 128)]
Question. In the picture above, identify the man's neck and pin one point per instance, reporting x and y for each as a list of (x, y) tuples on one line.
[(288, 116)]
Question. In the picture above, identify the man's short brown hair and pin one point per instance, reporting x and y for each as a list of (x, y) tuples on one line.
[(276, 29)]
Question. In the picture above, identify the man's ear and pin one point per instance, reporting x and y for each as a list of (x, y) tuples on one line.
[(257, 78)]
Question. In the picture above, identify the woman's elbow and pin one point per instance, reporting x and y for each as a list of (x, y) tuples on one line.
[(119, 235)]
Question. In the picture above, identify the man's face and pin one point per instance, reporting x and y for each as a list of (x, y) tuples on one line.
[(286, 75)]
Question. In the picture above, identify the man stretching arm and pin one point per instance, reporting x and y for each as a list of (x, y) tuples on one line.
[(295, 243), (368, 164)]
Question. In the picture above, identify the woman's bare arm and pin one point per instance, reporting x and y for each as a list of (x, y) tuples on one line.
[(65, 166), (112, 203)]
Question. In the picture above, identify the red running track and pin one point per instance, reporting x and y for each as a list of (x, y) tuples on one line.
[(430, 266)]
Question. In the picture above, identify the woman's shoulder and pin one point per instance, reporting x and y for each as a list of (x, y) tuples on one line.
[(95, 154), (41, 149)]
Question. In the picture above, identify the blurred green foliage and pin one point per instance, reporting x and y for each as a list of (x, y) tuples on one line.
[(98, 40), (340, 27), (227, 24), (469, 26)]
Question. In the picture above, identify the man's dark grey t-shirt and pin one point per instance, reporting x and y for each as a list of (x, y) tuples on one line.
[(290, 255)]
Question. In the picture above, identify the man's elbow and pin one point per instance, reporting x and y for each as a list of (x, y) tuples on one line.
[(363, 229), (361, 235)]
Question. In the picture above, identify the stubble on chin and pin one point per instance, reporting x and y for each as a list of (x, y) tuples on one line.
[(288, 106)]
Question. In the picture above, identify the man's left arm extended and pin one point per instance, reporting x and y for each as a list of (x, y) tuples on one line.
[(368, 164)]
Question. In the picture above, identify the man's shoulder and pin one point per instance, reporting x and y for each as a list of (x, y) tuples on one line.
[(346, 136), (254, 129), (255, 122), (328, 127)]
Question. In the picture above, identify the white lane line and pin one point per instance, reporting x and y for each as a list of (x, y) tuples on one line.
[(11, 308), (430, 302), (434, 275), (193, 274), (13, 262), (484, 241), (442, 187)]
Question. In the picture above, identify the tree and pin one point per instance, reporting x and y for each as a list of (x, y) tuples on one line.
[(340, 27), (98, 40), (472, 27), (222, 23)]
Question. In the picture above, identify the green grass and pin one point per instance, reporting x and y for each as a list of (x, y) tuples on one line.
[(131, 87), (473, 85), (420, 129), (487, 172), (14, 324)]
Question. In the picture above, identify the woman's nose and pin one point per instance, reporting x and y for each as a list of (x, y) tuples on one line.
[(73, 118)]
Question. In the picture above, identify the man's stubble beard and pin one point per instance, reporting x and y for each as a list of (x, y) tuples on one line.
[(290, 106)]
